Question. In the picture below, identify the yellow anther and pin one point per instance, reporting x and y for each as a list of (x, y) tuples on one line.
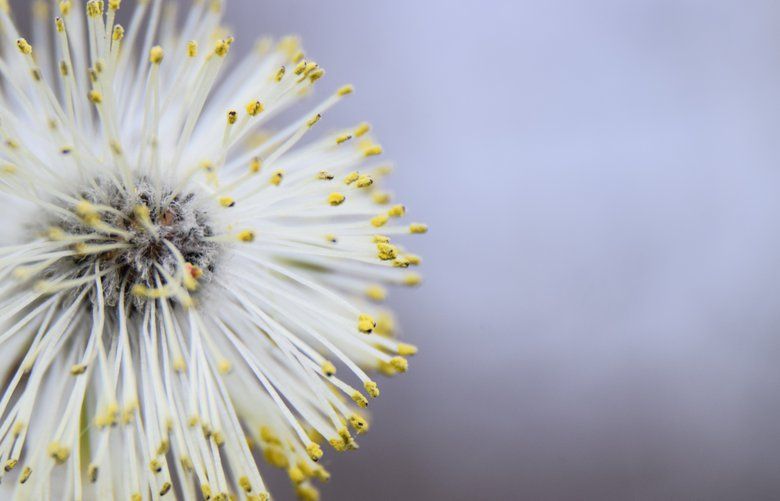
[(192, 48), (143, 213), (254, 108), (300, 67), (336, 199), (95, 8), (307, 493), (17, 428), (276, 177), (376, 293), (255, 165), (396, 211), (60, 24), (316, 75), (114, 4), (232, 117), (246, 236), (372, 150), (372, 389), (221, 48), (418, 228), (78, 369), (118, 33), (186, 463), (276, 457), (24, 47), (26, 472), (245, 484), (314, 451), (380, 239), (155, 466), (364, 181), (351, 178), (166, 487), (280, 74), (10, 464), (324, 175), (401, 262), (343, 138), (65, 6), (92, 472), (58, 452), (328, 368), (379, 221), (227, 202), (296, 475), (268, 435), (366, 323), (179, 365), (359, 423), (156, 55), (360, 399), (400, 364), (224, 366), (345, 90), (338, 443), (163, 447), (205, 489), (362, 129), (95, 96), (330, 237), (413, 259), (8, 169), (386, 252), (218, 438), (313, 120), (406, 350), (412, 279)]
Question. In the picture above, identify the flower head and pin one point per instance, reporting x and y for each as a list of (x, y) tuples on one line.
[(188, 276)]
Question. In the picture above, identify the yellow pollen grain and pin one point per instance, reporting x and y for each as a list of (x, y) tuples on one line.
[(372, 389), (276, 178), (379, 221), (336, 199), (418, 228), (351, 178), (227, 202), (328, 369), (362, 129), (345, 90), (366, 323), (192, 48), (376, 293), (156, 55), (396, 211), (254, 108), (246, 236), (118, 33), (24, 47), (364, 181)]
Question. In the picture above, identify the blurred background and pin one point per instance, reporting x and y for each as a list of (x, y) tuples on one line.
[(600, 318)]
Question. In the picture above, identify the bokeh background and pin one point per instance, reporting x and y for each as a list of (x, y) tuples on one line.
[(600, 316), (601, 178)]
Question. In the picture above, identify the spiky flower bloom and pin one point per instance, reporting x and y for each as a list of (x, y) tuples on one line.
[(185, 277)]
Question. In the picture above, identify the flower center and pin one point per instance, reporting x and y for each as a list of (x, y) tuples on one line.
[(147, 242)]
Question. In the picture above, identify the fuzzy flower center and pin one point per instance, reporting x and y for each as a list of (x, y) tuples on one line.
[(142, 241)]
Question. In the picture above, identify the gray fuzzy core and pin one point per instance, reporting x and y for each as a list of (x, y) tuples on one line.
[(179, 218)]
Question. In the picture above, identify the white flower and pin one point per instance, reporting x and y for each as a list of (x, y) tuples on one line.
[(186, 277)]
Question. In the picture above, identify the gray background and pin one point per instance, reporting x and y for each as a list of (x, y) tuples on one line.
[(600, 316)]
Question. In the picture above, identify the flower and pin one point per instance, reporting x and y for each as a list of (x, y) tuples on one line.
[(186, 278)]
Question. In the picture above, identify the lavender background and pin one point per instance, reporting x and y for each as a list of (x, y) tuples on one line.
[(600, 318)]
